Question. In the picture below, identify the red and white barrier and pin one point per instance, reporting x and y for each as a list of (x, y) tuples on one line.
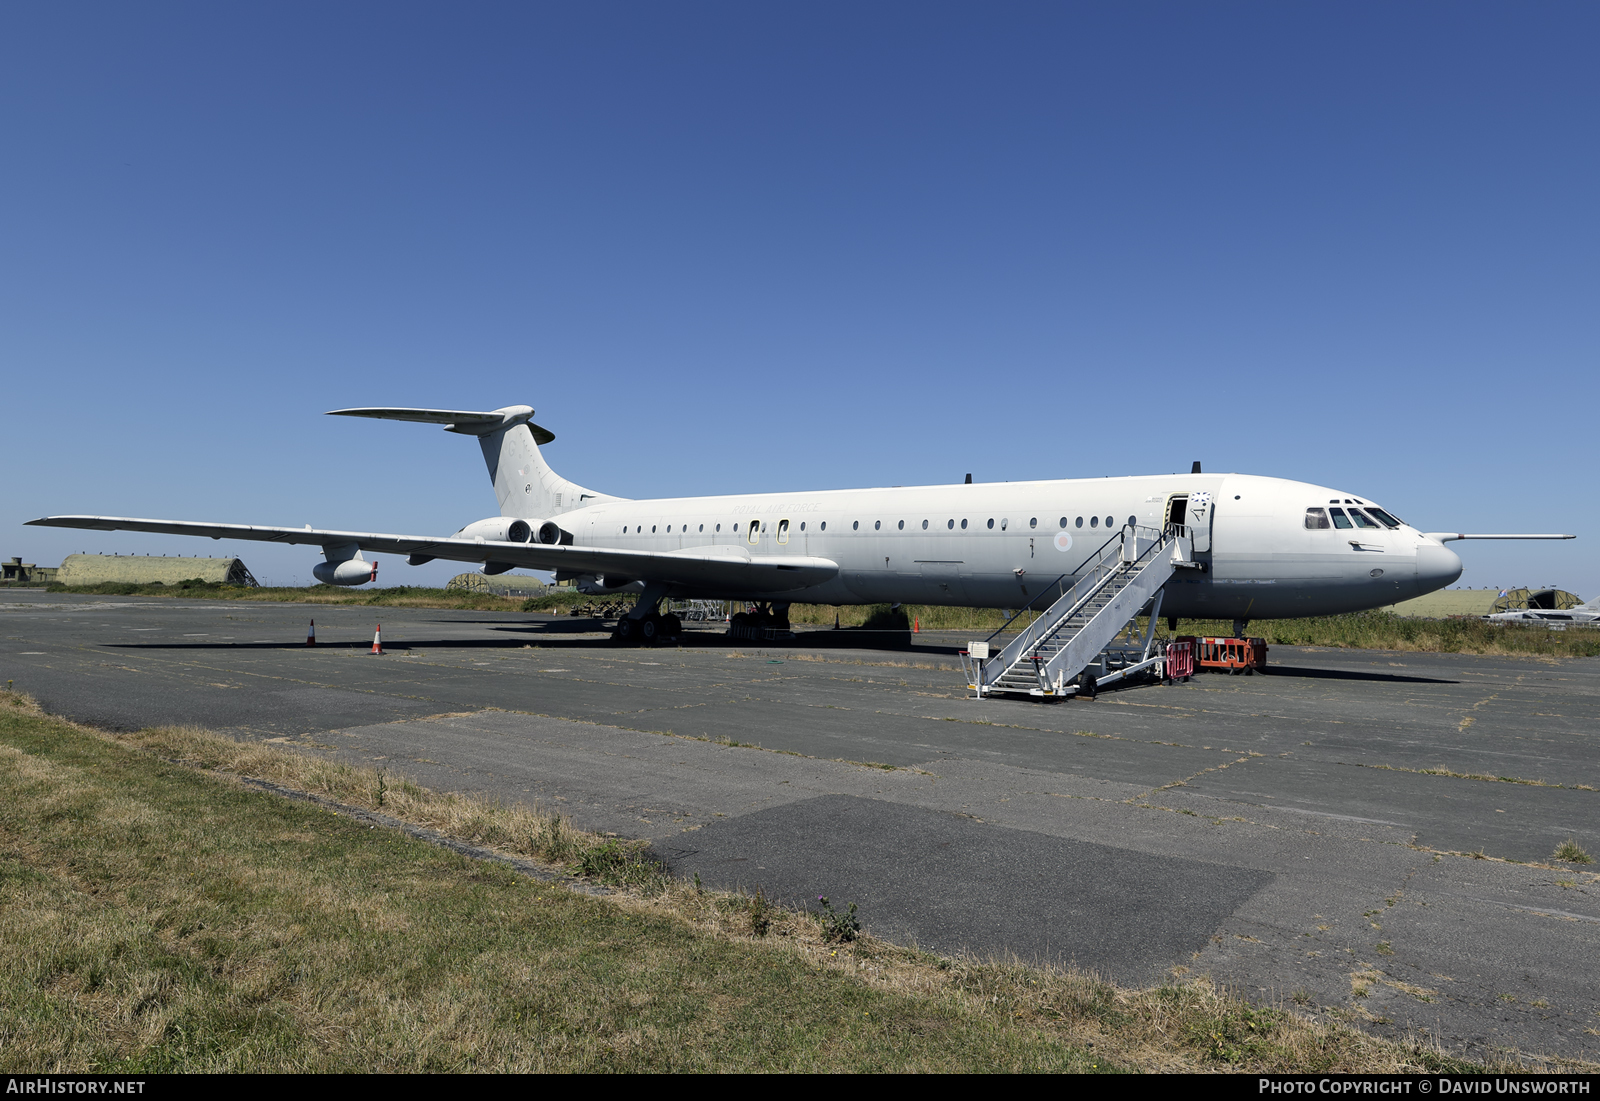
[(1180, 659)]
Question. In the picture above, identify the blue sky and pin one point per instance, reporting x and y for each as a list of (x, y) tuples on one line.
[(741, 247)]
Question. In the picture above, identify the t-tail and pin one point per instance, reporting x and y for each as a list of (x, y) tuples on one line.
[(524, 484)]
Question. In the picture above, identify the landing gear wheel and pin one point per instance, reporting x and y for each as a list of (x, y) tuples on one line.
[(671, 626), (627, 630), (1086, 685), (650, 629)]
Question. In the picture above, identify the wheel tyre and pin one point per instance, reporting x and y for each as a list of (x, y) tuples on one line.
[(649, 629), (627, 630), (1086, 685), (671, 626)]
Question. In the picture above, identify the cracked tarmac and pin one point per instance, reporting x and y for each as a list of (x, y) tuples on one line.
[(1363, 835)]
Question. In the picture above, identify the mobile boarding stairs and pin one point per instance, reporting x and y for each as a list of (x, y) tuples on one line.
[(1089, 637)]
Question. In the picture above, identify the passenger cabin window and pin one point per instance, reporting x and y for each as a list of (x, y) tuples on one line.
[(1383, 516), (1362, 520), (1094, 521), (1340, 520), (1316, 519)]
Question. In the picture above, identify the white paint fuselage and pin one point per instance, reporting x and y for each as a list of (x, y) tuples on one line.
[(1004, 544)]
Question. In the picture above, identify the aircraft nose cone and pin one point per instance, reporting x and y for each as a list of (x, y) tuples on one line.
[(1436, 567)]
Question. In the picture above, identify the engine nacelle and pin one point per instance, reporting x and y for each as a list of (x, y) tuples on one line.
[(498, 529), (352, 571), (504, 529)]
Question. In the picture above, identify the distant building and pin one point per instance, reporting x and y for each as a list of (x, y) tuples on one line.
[(1481, 602), (18, 572), (500, 586), (141, 569)]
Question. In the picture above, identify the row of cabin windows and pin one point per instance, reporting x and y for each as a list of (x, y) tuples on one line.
[(877, 525), (1318, 519)]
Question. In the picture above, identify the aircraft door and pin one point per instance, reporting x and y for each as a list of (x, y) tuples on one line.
[(1199, 510), (754, 534), (783, 533), (1178, 509)]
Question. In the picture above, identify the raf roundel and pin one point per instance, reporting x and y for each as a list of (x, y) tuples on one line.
[(1063, 542)]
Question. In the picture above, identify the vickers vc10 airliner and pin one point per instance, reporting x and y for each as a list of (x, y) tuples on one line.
[(1261, 548)]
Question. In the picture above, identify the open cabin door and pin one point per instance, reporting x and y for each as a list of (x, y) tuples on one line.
[(1193, 511)]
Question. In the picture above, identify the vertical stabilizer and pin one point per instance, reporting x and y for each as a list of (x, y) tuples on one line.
[(524, 484)]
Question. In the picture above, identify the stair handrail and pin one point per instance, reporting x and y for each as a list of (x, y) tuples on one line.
[(1029, 606), (1085, 588), (1097, 578), (1097, 553)]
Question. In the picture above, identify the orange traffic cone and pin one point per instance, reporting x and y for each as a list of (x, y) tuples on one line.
[(916, 626), (377, 640), (311, 634)]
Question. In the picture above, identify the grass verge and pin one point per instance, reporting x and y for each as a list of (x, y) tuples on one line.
[(158, 914)]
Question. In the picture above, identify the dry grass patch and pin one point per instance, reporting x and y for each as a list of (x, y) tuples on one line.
[(1572, 853), (159, 915)]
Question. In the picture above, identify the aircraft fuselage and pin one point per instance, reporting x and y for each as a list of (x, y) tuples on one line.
[(1005, 544)]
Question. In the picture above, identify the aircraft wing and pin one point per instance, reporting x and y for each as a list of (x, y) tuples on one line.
[(729, 567)]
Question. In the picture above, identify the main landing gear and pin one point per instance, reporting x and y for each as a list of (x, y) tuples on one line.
[(644, 625), (651, 629)]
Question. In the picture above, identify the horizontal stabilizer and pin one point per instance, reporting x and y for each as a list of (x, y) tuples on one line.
[(464, 421)]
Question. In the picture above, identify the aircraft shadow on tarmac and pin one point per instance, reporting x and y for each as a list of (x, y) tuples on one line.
[(1351, 674)]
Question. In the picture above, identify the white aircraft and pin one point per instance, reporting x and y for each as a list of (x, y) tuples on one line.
[(1583, 613), (1262, 548)]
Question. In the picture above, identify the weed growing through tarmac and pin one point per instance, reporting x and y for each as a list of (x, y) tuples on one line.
[(760, 913), (838, 928), (1569, 851), (623, 864)]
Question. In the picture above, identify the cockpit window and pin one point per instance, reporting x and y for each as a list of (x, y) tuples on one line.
[(1340, 520), (1316, 519), (1383, 516), (1361, 519)]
